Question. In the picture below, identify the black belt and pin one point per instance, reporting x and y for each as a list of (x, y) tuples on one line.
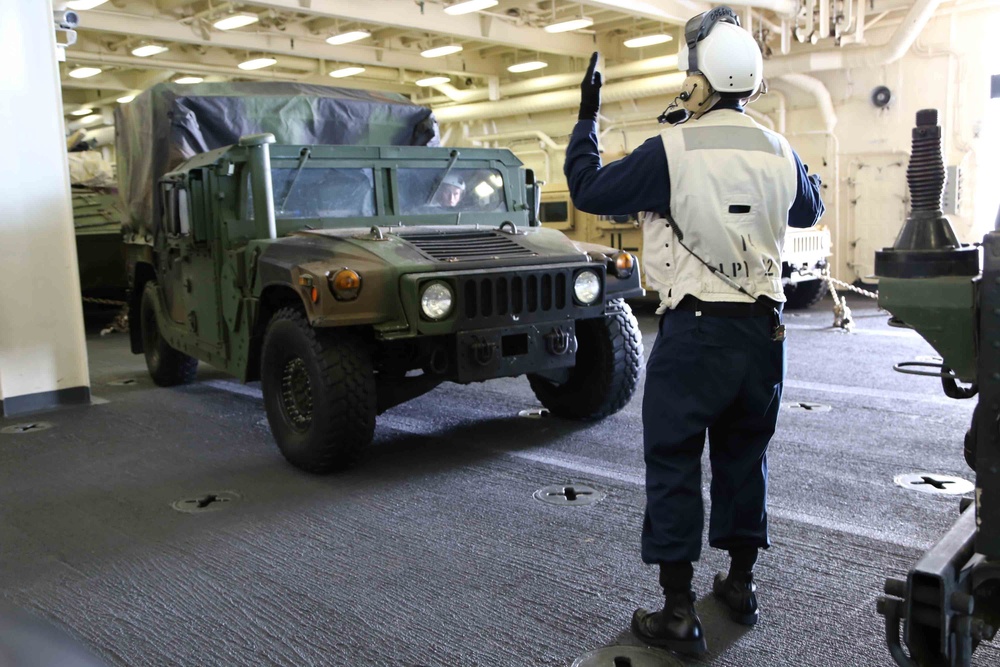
[(762, 306)]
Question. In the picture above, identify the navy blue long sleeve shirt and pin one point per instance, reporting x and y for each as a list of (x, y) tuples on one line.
[(641, 182)]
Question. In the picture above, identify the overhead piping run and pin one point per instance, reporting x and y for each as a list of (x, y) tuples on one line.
[(818, 90), (780, 7), (874, 56), (774, 68), (563, 99), (525, 134), (556, 81)]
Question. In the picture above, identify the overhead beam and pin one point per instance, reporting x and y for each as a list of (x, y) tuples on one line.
[(432, 19), (294, 41)]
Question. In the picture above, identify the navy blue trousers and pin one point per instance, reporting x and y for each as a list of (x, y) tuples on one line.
[(722, 375)]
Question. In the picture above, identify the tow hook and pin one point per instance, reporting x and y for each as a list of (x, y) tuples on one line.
[(558, 341), (483, 351)]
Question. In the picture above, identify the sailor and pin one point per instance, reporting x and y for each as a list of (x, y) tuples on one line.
[(450, 193), (716, 191)]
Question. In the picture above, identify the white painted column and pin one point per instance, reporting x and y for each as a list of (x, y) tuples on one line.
[(43, 357)]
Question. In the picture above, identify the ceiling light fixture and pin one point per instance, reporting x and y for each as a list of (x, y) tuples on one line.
[(529, 66), (91, 119), (82, 5), (647, 40), (84, 72), (232, 21), (188, 80), (469, 6), (348, 37), (432, 81), (149, 50), (257, 63), (346, 71), (82, 112), (126, 99), (571, 24), (441, 51)]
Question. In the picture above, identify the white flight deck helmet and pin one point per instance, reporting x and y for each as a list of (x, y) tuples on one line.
[(720, 58)]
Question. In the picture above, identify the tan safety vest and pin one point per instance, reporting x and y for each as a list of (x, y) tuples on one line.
[(732, 183)]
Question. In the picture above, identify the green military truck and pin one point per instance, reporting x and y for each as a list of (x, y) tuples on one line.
[(351, 278)]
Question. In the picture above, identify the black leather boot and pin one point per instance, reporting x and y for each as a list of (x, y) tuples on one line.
[(738, 592), (677, 627)]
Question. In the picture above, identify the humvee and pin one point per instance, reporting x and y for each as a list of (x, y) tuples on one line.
[(342, 279)]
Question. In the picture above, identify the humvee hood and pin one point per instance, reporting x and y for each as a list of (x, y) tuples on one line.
[(455, 247)]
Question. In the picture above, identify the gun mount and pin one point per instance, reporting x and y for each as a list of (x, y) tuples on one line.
[(950, 294)]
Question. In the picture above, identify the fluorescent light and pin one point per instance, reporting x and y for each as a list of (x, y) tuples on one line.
[(240, 20), (469, 6), (82, 112), (432, 81), (185, 80), (348, 37), (91, 119), (81, 5), (84, 72), (257, 63), (572, 24), (126, 99), (441, 51), (527, 67), (648, 40), (346, 71), (149, 50)]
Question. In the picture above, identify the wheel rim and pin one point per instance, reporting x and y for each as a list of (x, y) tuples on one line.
[(296, 394)]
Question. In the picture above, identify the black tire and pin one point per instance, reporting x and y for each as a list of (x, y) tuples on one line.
[(608, 363), (319, 393), (804, 294), (168, 367)]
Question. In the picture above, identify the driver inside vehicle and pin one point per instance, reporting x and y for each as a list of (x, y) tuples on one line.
[(449, 195)]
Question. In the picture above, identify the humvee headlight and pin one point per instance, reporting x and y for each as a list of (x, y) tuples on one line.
[(587, 287), (624, 264), (345, 284), (436, 301)]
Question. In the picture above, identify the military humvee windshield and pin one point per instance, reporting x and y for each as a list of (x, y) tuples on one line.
[(314, 192), (426, 191)]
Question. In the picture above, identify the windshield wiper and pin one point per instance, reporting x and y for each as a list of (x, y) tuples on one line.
[(303, 156), (440, 181)]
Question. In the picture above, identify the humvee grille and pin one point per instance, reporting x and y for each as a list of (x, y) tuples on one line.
[(526, 296), (467, 246)]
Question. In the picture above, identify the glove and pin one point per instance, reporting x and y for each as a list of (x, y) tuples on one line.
[(590, 91)]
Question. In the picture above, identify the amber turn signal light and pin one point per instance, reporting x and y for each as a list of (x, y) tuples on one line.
[(624, 264), (345, 284)]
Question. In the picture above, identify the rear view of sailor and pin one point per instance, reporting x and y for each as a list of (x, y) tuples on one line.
[(717, 191)]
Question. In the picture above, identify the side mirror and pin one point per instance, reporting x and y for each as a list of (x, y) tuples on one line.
[(534, 195)]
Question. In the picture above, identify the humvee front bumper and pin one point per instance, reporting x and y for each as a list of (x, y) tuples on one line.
[(510, 351)]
